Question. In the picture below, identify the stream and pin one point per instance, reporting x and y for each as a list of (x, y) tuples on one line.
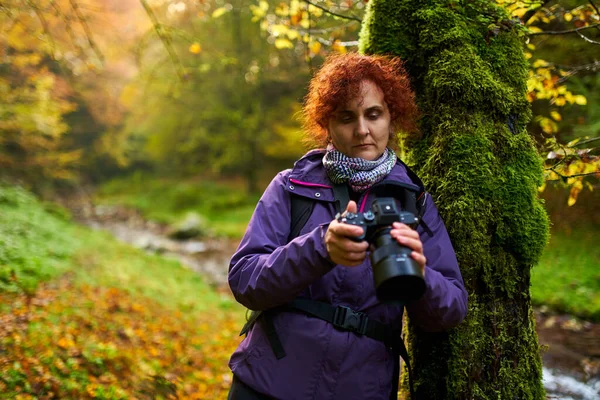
[(571, 348)]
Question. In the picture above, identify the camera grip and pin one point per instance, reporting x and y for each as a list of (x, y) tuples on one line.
[(356, 220)]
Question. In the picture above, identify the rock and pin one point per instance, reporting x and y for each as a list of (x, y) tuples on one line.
[(194, 247), (192, 225)]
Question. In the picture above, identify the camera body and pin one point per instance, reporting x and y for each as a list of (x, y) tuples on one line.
[(398, 278)]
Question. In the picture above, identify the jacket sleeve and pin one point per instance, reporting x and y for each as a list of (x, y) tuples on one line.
[(444, 304), (266, 271)]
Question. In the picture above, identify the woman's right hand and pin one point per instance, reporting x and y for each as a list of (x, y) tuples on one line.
[(341, 248)]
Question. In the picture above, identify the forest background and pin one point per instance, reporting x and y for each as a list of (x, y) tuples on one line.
[(183, 111)]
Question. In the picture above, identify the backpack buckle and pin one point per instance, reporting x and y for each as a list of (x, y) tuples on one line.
[(347, 319)]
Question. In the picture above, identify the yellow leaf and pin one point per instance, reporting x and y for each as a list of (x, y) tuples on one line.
[(195, 48), (282, 43), (519, 12), (572, 200), (219, 11), (568, 16), (278, 29), (336, 46), (293, 34), (315, 47), (542, 188), (581, 100), (555, 115)]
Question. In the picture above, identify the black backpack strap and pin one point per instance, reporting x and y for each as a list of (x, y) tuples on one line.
[(342, 197), (301, 209), (270, 331), (421, 198)]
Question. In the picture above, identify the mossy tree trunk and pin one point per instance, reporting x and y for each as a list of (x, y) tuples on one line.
[(480, 164)]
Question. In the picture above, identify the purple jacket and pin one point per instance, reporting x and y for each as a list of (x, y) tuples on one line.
[(266, 271)]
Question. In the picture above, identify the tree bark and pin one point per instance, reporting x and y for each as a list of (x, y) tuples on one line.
[(475, 156)]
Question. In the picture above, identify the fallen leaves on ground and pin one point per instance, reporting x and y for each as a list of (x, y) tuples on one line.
[(86, 342)]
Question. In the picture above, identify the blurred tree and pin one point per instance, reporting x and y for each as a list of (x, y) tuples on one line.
[(52, 73), (229, 111), (34, 98)]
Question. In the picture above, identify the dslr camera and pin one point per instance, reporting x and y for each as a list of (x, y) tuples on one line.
[(398, 278)]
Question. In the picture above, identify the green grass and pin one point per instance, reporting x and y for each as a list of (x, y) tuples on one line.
[(225, 207), (38, 243), (567, 278)]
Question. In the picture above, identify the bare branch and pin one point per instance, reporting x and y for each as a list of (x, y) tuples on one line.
[(587, 39), (45, 28), (68, 28), (577, 68), (576, 30), (165, 39), (586, 141), (333, 13), (343, 44), (87, 30), (572, 176)]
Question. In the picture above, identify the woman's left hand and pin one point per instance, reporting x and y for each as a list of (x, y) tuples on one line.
[(410, 238)]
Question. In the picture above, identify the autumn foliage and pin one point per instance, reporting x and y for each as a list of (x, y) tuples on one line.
[(86, 342)]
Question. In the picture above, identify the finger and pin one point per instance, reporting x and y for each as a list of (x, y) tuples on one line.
[(351, 207), (412, 243), (420, 259), (411, 233), (348, 246), (346, 258), (403, 227), (345, 230)]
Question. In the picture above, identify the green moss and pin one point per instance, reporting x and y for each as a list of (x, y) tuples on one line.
[(469, 72)]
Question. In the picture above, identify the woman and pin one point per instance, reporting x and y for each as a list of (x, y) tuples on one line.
[(354, 107)]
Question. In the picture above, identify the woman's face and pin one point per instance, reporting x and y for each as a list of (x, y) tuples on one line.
[(361, 128)]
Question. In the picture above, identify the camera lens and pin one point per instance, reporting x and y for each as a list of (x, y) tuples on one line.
[(398, 278)]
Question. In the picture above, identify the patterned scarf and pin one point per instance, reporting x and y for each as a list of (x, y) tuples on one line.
[(359, 173)]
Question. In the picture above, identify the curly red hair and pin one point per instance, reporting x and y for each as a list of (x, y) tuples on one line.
[(338, 80)]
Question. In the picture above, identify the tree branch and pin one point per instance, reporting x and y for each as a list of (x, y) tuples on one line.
[(87, 30), (45, 28), (68, 28), (576, 30), (343, 44), (164, 39), (587, 39), (333, 13), (572, 176), (586, 141)]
